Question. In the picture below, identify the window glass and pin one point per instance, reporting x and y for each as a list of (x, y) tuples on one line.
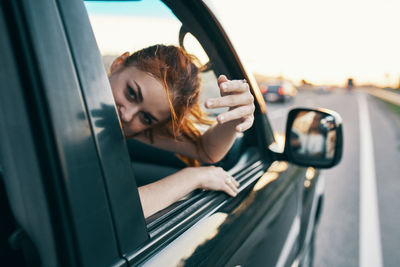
[(209, 80)]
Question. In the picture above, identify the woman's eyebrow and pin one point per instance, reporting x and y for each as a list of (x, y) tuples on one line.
[(140, 99), (139, 89)]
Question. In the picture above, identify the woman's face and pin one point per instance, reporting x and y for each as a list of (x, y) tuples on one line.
[(140, 98)]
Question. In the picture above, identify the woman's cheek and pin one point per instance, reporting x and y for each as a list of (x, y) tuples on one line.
[(133, 128), (118, 97)]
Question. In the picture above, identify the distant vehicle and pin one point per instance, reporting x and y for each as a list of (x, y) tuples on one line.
[(279, 92), (350, 84)]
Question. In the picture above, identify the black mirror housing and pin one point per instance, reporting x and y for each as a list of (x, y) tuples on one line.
[(314, 137)]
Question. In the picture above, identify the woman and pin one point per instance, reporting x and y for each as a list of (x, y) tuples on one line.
[(156, 91)]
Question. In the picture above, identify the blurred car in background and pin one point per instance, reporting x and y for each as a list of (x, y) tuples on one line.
[(350, 83), (278, 92)]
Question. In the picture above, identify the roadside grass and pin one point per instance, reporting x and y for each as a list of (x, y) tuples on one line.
[(393, 90)]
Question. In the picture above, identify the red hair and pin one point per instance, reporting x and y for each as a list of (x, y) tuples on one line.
[(179, 74)]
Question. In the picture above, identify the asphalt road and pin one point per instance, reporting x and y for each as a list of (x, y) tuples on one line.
[(339, 241)]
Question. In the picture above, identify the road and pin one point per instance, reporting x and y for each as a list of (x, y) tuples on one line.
[(340, 242)]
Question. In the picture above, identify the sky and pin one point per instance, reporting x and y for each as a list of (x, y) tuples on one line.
[(317, 40), (323, 42)]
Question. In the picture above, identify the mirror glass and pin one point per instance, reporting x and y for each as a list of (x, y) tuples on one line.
[(313, 135)]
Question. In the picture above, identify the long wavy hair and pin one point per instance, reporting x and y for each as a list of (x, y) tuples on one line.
[(178, 71)]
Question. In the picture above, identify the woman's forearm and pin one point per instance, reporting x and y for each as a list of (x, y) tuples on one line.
[(159, 195), (162, 193), (236, 95), (217, 141)]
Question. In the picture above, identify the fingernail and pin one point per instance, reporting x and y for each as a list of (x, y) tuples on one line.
[(209, 103), (239, 128), (220, 119), (224, 86)]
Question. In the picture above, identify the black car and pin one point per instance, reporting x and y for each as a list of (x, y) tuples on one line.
[(278, 92), (68, 178)]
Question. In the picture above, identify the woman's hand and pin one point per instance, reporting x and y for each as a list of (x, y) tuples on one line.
[(215, 178), (236, 95), (162, 193)]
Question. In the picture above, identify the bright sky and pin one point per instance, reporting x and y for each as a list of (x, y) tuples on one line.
[(317, 40)]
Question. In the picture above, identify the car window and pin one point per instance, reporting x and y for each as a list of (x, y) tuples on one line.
[(273, 88), (130, 26)]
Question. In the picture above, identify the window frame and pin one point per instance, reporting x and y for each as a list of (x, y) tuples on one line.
[(113, 154)]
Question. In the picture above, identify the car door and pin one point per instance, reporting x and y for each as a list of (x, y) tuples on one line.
[(262, 224), (54, 157), (262, 227), (67, 170)]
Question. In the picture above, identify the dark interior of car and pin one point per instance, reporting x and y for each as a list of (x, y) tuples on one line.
[(151, 164)]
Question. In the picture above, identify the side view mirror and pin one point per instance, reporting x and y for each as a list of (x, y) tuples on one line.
[(314, 137)]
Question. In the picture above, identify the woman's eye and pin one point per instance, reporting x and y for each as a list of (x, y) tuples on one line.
[(146, 119), (131, 93)]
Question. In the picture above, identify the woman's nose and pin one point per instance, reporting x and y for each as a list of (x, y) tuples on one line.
[(127, 114)]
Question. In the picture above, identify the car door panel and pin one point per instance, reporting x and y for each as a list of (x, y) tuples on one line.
[(69, 164), (16, 144), (240, 230), (278, 213)]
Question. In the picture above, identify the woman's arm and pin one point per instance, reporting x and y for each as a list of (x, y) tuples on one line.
[(159, 195)]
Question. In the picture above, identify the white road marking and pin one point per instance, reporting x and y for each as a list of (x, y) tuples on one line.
[(289, 243), (370, 239)]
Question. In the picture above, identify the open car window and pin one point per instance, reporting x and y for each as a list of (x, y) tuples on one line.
[(130, 26)]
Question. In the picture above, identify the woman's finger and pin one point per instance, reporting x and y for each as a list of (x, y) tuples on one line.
[(236, 113), (246, 124), (221, 79), (234, 86), (231, 182), (234, 187), (228, 189), (230, 101)]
